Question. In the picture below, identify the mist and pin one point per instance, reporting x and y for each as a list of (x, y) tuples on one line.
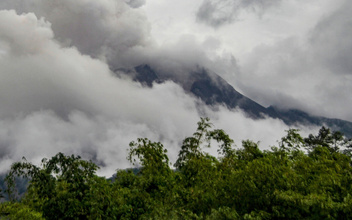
[(59, 91)]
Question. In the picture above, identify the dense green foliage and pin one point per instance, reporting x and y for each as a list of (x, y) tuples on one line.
[(301, 178)]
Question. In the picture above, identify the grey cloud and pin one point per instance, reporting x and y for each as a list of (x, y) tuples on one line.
[(102, 29), (55, 96), (215, 14), (178, 60), (220, 12), (135, 3), (112, 32), (332, 42), (311, 73), (40, 81)]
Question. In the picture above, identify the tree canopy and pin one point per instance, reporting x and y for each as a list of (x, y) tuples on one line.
[(300, 178)]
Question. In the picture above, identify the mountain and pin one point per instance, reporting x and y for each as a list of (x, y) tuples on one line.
[(214, 90)]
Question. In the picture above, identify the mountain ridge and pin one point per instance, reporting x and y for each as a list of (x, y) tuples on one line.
[(213, 90)]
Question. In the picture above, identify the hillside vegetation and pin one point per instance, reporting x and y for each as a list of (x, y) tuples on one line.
[(300, 178)]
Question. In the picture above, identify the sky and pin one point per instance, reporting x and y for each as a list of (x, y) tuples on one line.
[(58, 92)]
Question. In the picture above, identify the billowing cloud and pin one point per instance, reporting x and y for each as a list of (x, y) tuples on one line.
[(219, 12), (135, 3), (331, 44), (108, 29), (115, 33), (58, 93), (305, 72), (38, 74), (54, 98)]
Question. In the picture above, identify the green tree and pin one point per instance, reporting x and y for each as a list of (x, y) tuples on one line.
[(15, 210), (332, 140), (283, 182), (58, 188)]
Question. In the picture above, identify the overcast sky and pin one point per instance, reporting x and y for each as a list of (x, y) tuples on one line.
[(291, 53), (57, 91)]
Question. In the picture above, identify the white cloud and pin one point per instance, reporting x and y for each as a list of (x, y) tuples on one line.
[(135, 3), (57, 92), (311, 72), (56, 99), (37, 77), (220, 12), (106, 29)]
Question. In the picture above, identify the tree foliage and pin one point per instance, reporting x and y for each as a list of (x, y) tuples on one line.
[(301, 178)]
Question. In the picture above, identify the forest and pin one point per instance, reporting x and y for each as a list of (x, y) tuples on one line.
[(300, 178)]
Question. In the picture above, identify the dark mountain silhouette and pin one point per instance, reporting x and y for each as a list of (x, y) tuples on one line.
[(214, 90)]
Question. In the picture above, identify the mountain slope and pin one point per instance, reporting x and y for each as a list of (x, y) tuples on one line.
[(214, 90)]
